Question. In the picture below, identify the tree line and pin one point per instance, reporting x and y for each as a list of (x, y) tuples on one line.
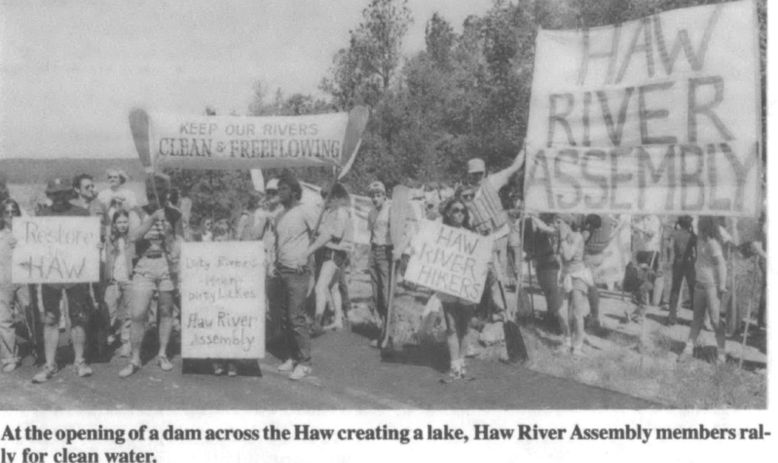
[(466, 94)]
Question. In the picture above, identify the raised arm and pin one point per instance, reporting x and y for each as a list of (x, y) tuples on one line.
[(500, 179)]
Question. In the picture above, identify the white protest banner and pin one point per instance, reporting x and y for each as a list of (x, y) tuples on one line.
[(658, 115), (223, 300), (450, 260), (56, 250)]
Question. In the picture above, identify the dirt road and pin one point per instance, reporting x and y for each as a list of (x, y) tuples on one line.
[(348, 374)]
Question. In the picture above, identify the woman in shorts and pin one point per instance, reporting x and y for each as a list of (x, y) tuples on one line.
[(575, 281), (333, 245), (710, 286), (120, 254), (457, 312)]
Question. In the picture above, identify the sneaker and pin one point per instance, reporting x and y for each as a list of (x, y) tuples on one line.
[(374, 343), (82, 369), (232, 370), (110, 340), (300, 372), (11, 366), (164, 363), (45, 374), (721, 358), (289, 365), (218, 369), (578, 352), (129, 370)]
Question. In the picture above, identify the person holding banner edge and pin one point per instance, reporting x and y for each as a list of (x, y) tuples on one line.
[(489, 218), (158, 250), (60, 192)]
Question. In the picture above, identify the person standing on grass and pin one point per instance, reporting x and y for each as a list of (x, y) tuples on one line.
[(158, 247), (294, 227), (575, 280), (457, 312), (684, 248), (10, 294), (711, 285), (60, 191), (378, 262), (539, 239)]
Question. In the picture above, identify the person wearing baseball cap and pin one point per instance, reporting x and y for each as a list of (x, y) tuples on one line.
[(60, 192), (490, 219), (380, 249)]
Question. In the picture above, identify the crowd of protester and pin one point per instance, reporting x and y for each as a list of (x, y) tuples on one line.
[(308, 254)]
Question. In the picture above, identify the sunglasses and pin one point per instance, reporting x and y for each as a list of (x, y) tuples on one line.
[(457, 210), (113, 177), (468, 197), (271, 192), (376, 195)]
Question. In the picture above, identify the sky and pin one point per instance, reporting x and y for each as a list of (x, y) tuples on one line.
[(70, 71)]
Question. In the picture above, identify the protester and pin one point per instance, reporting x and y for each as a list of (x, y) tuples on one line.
[(457, 312), (684, 250), (332, 246), (597, 231), (294, 226), (646, 246), (116, 186), (120, 254), (158, 249), (381, 248), (206, 231), (575, 280), (538, 239), (60, 191), (711, 285), (489, 219), (10, 294)]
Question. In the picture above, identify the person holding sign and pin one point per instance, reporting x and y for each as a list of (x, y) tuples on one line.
[(711, 279), (457, 311), (294, 226), (60, 191), (332, 247), (10, 293), (575, 280), (380, 249), (157, 245)]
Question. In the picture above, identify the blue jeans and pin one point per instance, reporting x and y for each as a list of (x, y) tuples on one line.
[(294, 288)]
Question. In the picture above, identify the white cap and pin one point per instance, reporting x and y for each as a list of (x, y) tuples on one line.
[(272, 184)]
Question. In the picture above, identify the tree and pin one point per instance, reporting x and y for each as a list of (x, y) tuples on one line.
[(365, 69)]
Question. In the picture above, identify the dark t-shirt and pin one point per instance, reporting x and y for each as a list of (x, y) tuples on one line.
[(683, 241), (66, 210)]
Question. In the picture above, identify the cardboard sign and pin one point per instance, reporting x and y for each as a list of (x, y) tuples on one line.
[(223, 300), (657, 115), (56, 250), (450, 260)]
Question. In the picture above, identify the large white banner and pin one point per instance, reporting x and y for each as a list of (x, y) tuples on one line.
[(223, 300), (656, 115), (232, 142), (56, 250)]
